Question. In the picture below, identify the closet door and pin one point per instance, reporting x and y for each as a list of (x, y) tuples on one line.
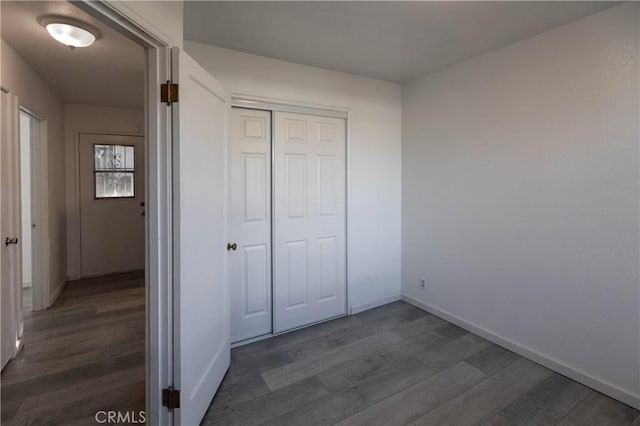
[(250, 223), (309, 212)]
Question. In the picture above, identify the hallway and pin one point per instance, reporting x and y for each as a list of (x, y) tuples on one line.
[(85, 354)]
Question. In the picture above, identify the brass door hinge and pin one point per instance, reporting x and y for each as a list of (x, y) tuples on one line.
[(171, 398), (169, 92)]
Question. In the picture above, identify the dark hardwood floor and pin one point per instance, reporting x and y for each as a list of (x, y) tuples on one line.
[(84, 354), (397, 365), (394, 365)]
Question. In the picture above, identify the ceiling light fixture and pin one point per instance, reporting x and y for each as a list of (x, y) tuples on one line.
[(69, 31)]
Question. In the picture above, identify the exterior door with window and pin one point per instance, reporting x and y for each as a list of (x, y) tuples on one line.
[(112, 195)]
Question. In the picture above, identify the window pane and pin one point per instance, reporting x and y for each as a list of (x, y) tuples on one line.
[(114, 184), (114, 158)]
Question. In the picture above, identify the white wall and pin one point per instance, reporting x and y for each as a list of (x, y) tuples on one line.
[(35, 95), (520, 197), (25, 197), (374, 153), (94, 119)]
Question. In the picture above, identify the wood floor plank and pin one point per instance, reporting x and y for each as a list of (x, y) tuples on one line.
[(493, 359), (444, 356), (337, 406), (300, 370), (599, 410), (354, 371), (239, 387), (319, 345), (547, 403), (488, 397), (288, 340), (383, 311), (267, 406), (500, 420), (451, 331), (414, 346), (264, 362), (419, 326), (412, 402)]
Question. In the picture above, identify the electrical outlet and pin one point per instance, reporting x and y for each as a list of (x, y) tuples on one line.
[(422, 283)]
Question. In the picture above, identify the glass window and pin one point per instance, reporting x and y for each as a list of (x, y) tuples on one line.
[(114, 171)]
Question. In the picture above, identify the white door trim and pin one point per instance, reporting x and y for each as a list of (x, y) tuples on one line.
[(243, 102), (159, 200)]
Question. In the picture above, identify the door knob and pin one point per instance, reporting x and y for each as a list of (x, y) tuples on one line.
[(14, 240), (233, 246)]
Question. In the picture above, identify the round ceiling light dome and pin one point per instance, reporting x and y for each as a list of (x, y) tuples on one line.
[(70, 32)]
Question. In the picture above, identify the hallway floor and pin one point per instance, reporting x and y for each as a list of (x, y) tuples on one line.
[(397, 365), (84, 354)]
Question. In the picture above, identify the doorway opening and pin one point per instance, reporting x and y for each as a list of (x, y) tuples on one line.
[(30, 143), (26, 222), (78, 200)]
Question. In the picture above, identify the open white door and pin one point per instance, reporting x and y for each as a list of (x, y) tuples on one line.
[(201, 295), (10, 253)]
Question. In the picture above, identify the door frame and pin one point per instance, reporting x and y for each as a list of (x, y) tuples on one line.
[(40, 285), (159, 200), (242, 100)]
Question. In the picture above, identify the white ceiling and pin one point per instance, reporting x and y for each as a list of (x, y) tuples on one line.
[(108, 73), (394, 41)]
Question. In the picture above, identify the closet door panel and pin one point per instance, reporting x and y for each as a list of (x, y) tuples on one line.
[(309, 219), (250, 223)]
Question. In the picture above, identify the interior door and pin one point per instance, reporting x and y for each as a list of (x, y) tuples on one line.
[(250, 222), (309, 217), (112, 195), (201, 338), (10, 253)]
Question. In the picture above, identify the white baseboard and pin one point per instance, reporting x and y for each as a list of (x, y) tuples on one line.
[(566, 370), (54, 295), (373, 304)]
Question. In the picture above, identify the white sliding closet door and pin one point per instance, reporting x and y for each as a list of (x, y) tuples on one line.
[(309, 217), (250, 223)]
